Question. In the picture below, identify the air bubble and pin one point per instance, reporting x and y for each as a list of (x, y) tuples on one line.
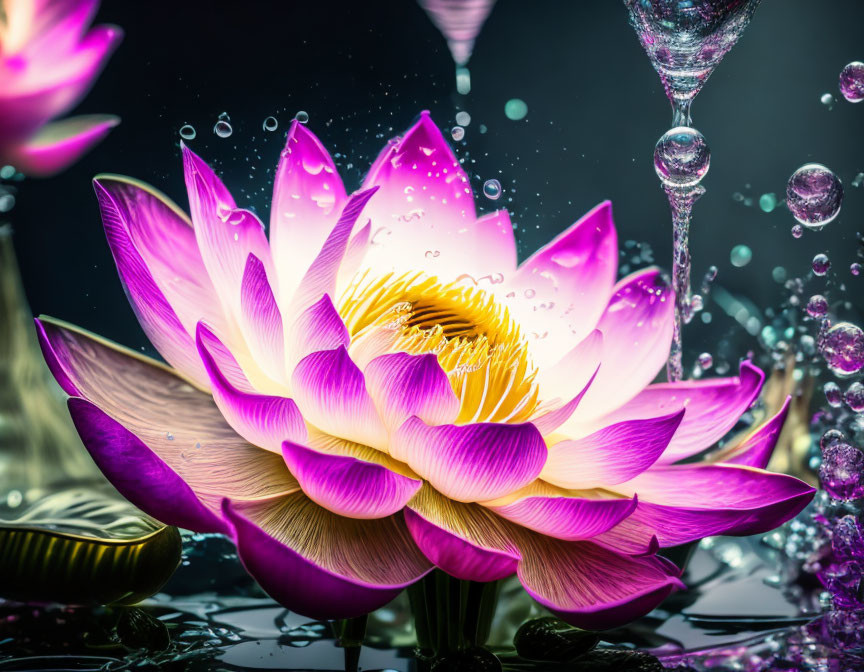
[(814, 195), (187, 132), (223, 129), (492, 189), (302, 117), (852, 82), (270, 124)]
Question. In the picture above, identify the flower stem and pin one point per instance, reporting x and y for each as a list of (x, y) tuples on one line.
[(350, 633)]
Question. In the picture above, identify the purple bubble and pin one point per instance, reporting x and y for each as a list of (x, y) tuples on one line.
[(855, 268), (817, 306), (842, 346), (852, 82), (821, 264), (834, 397), (841, 471), (855, 397), (814, 195)]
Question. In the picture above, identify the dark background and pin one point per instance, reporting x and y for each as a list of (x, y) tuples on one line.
[(363, 70)]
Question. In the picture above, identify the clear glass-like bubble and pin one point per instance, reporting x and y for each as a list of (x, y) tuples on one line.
[(270, 124), (817, 306), (834, 397), (681, 157), (492, 189), (706, 361), (515, 109), (740, 256), (187, 132), (797, 231), (852, 82), (832, 436), (855, 268), (814, 195), (457, 133), (842, 471), (302, 116), (827, 100), (855, 397), (463, 118), (842, 346), (821, 264), (223, 129)]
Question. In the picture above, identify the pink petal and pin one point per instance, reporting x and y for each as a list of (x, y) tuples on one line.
[(573, 370), (350, 480), (465, 540), (682, 503), (424, 206), (263, 420), (308, 196), (403, 385), (637, 333), (318, 327), (713, 407), (758, 446), (261, 320), (611, 455), (549, 421), (591, 587), (322, 565), (571, 515), (560, 292), (496, 247), (58, 145), (331, 393), (471, 463)]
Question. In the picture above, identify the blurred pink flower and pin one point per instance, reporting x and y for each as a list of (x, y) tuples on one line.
[(48, 62)]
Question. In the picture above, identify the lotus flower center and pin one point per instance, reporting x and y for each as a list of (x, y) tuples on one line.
[(479, 346)]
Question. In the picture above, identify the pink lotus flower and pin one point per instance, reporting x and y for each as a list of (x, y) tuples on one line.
[(48, 61), (379, 388)]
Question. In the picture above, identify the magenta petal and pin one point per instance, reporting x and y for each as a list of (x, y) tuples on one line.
[(562, 289), (465, 540), (124, 205), (347, 485), (683, 503), (308, 196), (611, 455), (591, 587), (261, 320), (758, 446), (331, 393), (318, 327), (471, 463), (637, 334), (263, 420), (322, 565), (403, 385), (565, 514), (713, 407), (140, 475), (59, 144)]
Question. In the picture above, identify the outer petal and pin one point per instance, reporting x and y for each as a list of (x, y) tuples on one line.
[(497, 245), (58, 145), (424, 206), (713, 407), (755, 449), (318, 327), (263, 420), (589, 586), (562, 289), (331, 393), (471, 463), (349, 479), (683, 503), (261, 320), (611, 455), (320, 564), (637, 333), (465, 540), (403, 385), (573, 370), (548, 421), (565, 514), (180, 426), (308, 196)]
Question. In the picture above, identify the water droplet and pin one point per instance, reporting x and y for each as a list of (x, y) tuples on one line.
[(797, 231), (492, 189), (14, 499), (515, 109), (740, 255), (482, 128), (706, 361), (7, 202), (169, 436), (223, 129), (463, 118), (187, 132), (681, 157), (697, 303), (855, 397), (842, 346), (814, 195), (457, 133), (7, 172), (834, 397), (832, 436), (224, 116), (711, 274), (767, 202), (827, 100), (463, 80), (302, 117), (852, 82), (857, 181), (817, 306), (821, 264), (270, 124), (855, 268), (841, 471)]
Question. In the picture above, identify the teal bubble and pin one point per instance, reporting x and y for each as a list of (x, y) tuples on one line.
[(740, 255), (767, 202), (515, 109), (779, 274)]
